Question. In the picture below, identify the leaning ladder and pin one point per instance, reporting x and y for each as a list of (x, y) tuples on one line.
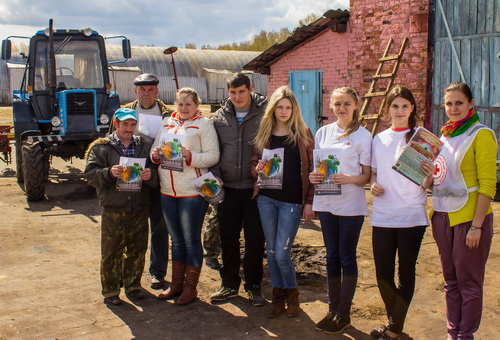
[(372, 91)]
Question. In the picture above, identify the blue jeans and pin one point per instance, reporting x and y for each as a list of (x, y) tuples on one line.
[(341, 236), (280, 222), (184, 218)]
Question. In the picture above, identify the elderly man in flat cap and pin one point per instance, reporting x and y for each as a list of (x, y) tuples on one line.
[(146, 91)]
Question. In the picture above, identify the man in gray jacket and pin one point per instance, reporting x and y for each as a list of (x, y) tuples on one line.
[(124, 220), (237, 123)]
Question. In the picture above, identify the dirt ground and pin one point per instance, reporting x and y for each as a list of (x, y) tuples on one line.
[(49, 280)]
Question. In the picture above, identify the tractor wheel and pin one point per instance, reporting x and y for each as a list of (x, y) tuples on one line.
[(35, 171), (19, 163)]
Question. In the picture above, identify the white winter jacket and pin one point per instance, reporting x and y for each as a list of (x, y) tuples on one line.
[(201, 140)]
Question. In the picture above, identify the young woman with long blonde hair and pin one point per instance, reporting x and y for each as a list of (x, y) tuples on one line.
[(281, 209)]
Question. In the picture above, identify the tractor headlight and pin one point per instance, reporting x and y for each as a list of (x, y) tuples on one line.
[(87, 31), (56, 121), (104, 119)]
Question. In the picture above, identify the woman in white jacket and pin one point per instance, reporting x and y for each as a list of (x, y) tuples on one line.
[(183, 207)]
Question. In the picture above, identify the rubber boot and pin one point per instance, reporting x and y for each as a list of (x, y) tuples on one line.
[(177, 284), (292, 301), (277, 304), (190, 293)]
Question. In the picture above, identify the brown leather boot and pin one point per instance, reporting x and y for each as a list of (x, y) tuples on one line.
[(177, 283), (293, 303), (189, 293), (277, 304)]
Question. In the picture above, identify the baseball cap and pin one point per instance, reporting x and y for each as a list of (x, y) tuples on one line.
[(124, 114)]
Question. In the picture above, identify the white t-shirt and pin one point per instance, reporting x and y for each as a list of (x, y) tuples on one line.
[(154, 111), (355, 150), (403, 202)]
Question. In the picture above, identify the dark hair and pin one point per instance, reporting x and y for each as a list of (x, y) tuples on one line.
[(238, 79), (462, 87), (403, 92)]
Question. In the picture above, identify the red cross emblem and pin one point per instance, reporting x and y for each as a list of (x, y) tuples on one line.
[(439, 170)]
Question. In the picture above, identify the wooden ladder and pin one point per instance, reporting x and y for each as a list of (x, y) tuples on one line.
[(372, 92)]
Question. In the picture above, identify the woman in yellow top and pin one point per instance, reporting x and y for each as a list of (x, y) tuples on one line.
[(462, 221)]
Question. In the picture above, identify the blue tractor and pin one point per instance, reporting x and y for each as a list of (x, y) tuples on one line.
[(65, 100)]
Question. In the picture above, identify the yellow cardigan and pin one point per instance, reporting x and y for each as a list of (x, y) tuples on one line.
[(478, 168)]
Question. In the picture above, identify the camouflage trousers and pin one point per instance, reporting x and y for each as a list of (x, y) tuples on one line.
[(124, 241), (211, 236)]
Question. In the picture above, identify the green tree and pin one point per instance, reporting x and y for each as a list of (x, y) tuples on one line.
[(309, 19), (263, 40)]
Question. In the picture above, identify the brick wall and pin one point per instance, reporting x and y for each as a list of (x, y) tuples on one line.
[(372, 24), (351, 58), (327, 52)]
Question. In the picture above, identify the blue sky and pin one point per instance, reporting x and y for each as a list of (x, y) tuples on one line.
[(162, 22)]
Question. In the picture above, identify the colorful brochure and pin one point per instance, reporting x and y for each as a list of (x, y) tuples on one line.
[(131, 175), (422, 145), (170, 155), (271, 176), (209, 188), (327, 162)]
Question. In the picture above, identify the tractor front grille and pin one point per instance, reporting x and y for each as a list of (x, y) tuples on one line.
[(80, 115), (80, 103)]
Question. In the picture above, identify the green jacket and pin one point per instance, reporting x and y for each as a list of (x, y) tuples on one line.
[(101, 155), (165, 111)]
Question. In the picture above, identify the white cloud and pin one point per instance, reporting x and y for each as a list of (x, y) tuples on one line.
[(162, 22)]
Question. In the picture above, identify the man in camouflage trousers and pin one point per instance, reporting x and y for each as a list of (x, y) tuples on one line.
[(211, 238), (124, 220)]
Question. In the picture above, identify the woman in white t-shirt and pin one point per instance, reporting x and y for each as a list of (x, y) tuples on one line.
[(399, 216), (341, 216)]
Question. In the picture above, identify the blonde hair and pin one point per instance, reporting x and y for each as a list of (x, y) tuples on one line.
[(188, 91), (297, 128), (354, 124)]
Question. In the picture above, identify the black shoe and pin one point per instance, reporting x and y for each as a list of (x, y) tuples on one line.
[(338, 325), (255, 296), (157, 282), (213, 263), (135, 294), (113, 300), (385, 336), (379, 331), (223, 294), (320, 326)]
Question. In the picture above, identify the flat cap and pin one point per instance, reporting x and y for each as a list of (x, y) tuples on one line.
[(146, 79)]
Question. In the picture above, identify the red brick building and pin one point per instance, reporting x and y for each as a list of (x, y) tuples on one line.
[(345, 47)]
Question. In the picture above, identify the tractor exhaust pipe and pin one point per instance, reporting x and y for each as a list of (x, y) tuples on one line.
[(52, 65)]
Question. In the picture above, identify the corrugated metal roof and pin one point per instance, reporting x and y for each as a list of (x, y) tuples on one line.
[(191, 66), (332, 18)]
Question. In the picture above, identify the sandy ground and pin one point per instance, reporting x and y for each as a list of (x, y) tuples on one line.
[(49, 280)]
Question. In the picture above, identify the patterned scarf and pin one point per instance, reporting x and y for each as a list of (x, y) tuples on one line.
[(452, 129), (177, 116)]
